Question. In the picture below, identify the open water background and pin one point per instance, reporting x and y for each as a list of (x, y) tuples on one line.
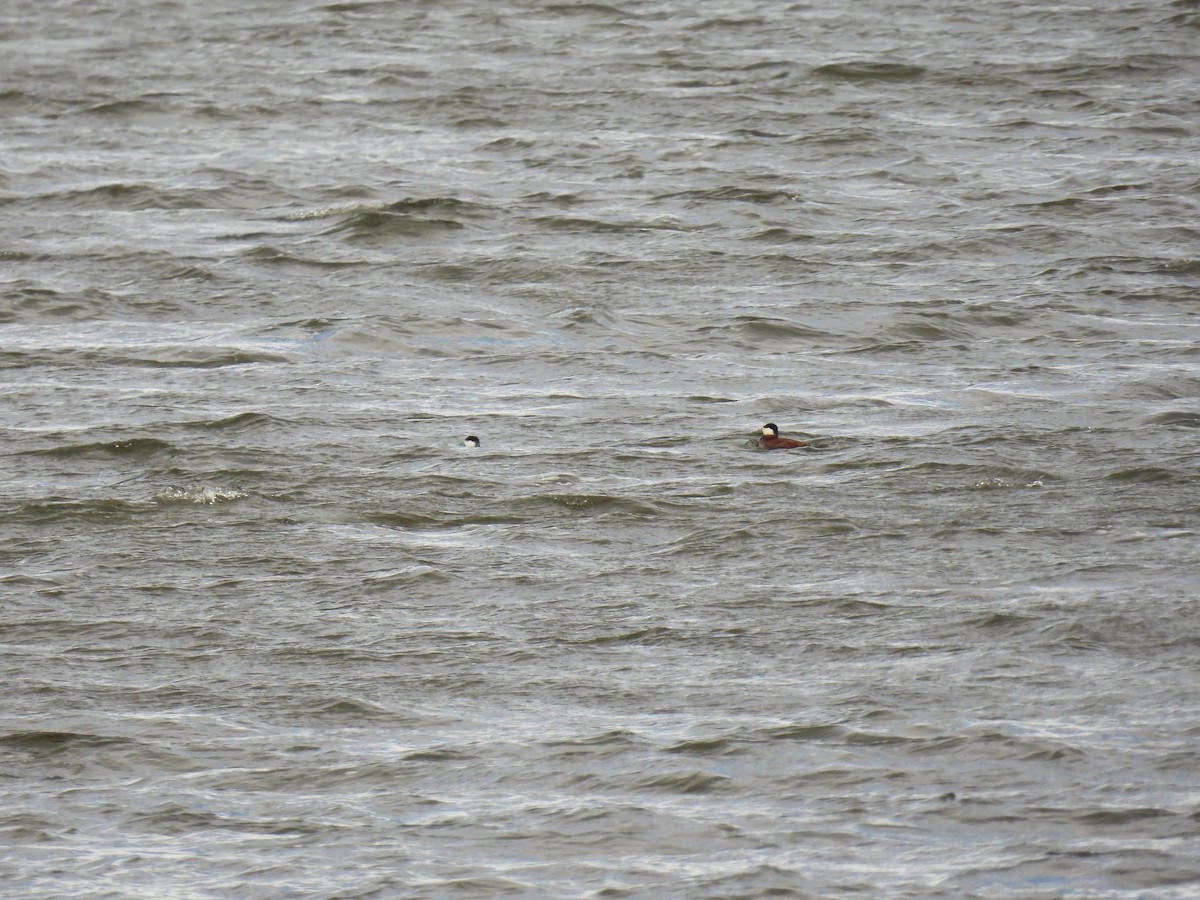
[(268, 630)]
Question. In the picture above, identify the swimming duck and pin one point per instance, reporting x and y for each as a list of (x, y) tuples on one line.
[(471, 441), (770, 439)]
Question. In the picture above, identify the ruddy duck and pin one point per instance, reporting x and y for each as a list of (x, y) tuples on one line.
[(771, 440), (471, 441)]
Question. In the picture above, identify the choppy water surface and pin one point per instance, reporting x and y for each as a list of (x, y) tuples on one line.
[(269, 630)]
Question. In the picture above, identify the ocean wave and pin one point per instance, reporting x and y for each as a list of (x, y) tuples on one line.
[(29, 302), (265, 253), (870, 70), (57, 510), (1150, 474), (376, 225), (136, 448), (606, 504), (732, 193), (1179, 418), (237, 423), (138, 196), (199, 494)]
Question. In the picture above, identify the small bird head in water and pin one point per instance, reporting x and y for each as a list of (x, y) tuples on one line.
[(471, 441)]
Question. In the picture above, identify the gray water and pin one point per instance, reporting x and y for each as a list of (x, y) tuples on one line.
[(269, 630)]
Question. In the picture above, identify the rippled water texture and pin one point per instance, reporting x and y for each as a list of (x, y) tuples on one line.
[(269, 629)]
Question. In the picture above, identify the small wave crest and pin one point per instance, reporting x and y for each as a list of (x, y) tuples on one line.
[(208, 496), (1001, 484)]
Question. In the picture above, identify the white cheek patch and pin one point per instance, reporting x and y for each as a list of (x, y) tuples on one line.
[(767, 432)]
